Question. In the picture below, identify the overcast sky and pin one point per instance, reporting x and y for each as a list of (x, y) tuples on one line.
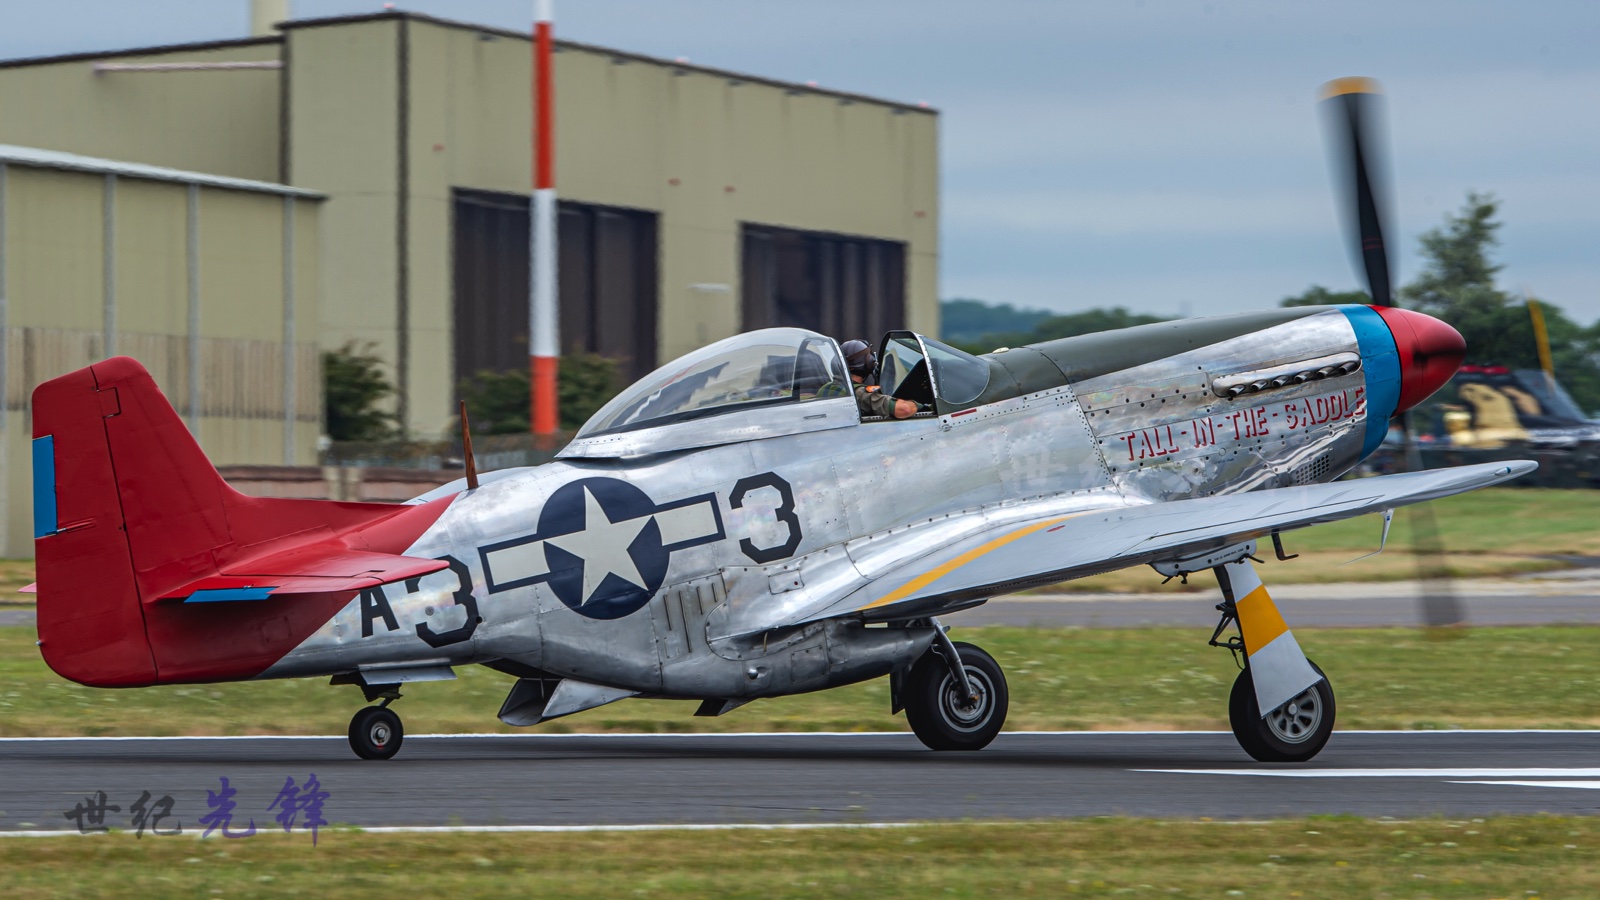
[(1157, 154)]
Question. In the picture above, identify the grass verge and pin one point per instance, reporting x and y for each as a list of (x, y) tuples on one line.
[(1061, 678), (1307, 858)]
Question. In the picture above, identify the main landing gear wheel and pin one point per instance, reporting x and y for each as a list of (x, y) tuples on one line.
[(376, 732), (1294, 732), (943, 717)]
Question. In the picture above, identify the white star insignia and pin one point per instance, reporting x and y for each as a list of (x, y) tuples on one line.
[(603, 546)]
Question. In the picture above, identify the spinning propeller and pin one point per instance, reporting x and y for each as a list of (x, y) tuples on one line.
[(1430, 351)]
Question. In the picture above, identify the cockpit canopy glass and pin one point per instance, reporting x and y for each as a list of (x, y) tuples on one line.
[(957, 377), (960, 376), (760, 368)]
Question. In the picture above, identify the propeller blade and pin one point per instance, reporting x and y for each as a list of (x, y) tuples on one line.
[(1355, 123), (1442, 612), (1354, 116)]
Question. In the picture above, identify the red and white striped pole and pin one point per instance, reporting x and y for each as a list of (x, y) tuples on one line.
[(544, 346)]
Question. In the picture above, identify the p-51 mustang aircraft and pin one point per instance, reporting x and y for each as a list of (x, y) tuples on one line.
[(730, 527)]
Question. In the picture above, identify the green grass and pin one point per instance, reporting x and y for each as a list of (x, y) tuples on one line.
[(1061, 678), (1306, 858)]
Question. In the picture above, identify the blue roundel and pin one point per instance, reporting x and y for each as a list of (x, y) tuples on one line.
[(603, 547)]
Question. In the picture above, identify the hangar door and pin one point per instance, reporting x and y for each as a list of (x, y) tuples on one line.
[(607, 283), (847, 287)]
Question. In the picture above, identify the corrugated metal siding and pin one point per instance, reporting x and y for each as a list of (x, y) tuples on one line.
[(54, 263), (223, 123)]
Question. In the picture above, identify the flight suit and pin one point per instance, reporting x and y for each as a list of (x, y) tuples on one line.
[(873, 402)]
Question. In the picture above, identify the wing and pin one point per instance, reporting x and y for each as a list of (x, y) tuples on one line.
[(1051, 548), (322, 567)]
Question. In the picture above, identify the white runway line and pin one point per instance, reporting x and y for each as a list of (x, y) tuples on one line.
[(1581, 785), (732, 826), (563, 829), (1454, 773), (759, 734)]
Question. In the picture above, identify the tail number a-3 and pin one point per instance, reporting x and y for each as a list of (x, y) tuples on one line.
[(784, 512), (375, 605)]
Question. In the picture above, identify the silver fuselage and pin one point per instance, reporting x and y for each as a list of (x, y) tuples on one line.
[(756, 530)]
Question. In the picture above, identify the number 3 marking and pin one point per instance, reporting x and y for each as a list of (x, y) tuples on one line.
[(784, 513)]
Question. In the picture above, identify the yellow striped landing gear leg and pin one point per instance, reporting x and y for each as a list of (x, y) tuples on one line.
[(1281, 707)]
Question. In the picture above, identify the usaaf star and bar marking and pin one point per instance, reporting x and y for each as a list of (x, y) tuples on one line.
[(1253, 423), (602, 546)]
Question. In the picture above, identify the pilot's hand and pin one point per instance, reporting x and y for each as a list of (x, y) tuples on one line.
[(904, 409)]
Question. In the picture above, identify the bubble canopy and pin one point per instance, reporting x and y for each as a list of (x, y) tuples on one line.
[(757, 369)]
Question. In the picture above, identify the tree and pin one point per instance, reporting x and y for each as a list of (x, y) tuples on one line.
[(1053, 328), (1317, 295), (354, 388), (1457, 284), (498, 402), (1090, 321), (1459, 277), (972, 320)]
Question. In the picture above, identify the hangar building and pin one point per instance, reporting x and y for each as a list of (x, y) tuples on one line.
[(696, 203)]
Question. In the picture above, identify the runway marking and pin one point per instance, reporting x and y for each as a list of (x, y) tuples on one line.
[(1450, 774), (563, 829), (679, 826), (768, 734), (1581, 785)]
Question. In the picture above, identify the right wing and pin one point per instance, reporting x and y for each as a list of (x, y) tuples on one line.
[(1054, 547)]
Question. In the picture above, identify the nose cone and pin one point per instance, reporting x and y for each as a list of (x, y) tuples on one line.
[(1430, 352)]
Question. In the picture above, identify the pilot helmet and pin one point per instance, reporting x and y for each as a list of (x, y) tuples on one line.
[(859, 358)]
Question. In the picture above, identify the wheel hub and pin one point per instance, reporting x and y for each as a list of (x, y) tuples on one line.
[(1297, 721), (380, 734), (966, 712)]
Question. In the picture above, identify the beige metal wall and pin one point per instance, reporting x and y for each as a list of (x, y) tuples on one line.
[(54, 255), (386, 114), (705, 151), (219, 122)]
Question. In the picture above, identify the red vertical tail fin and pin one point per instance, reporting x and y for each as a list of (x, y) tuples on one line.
[(127, 509), (80, 538)]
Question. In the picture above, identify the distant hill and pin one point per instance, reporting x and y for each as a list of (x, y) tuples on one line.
[(962, 320), (979, 327)]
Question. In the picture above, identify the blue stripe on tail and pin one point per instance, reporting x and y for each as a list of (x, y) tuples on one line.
[(44, 486)]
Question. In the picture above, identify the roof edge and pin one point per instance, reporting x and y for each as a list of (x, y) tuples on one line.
[(561, 43), (89, 56), (34, 157)]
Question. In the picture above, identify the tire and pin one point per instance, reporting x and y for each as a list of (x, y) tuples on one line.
[(1295, 732), (376, 733), (933, 706)]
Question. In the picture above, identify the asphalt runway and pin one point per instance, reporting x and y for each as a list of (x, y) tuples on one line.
[(585, 780)]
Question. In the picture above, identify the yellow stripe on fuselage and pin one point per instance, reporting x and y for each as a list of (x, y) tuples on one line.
[(934, 574), (1259, 620)]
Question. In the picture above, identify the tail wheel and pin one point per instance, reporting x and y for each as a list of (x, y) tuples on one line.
[(376, 733), (942, 716), (1294, 732)]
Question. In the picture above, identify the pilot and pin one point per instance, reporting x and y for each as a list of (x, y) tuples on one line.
[(861, 362)]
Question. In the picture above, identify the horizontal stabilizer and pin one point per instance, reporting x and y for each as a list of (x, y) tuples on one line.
[(317, 569)]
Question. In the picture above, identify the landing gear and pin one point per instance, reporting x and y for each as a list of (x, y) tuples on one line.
[(376, 732), (955, 707), (1294, 732), (1301, 718)]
